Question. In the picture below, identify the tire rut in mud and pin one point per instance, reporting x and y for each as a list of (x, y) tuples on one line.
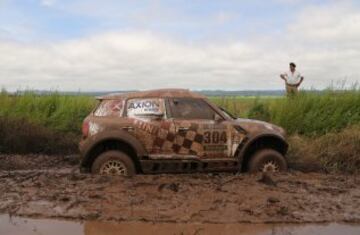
[(51, 186)]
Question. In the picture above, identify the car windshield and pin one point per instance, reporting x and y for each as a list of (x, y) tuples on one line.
[(227, 113)]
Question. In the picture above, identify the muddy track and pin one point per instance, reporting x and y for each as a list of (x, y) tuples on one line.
[(51, 186)]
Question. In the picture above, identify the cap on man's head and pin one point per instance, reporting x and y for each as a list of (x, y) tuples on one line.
[(293, 64)]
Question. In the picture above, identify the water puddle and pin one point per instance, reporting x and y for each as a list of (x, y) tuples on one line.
[(24, 226)]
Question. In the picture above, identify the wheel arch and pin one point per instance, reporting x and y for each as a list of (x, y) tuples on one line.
[(112, 141), (272, 141)]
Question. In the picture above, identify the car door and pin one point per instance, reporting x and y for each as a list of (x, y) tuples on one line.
[(150, 124), (199, 129)]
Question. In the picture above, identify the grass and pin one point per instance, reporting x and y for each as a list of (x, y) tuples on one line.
[(324, 128), (310, 114), (20, 136), (331, 152), (57, 112)]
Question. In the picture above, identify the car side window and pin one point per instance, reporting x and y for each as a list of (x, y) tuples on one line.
[(189, 108), (113, 108), (145, 108)]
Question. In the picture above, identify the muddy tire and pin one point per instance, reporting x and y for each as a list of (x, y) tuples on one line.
[(113, 163), (267, 160)]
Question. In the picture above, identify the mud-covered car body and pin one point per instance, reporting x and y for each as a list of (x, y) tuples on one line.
[(174, 130)]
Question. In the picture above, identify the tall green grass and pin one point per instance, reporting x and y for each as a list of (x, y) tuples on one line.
[(55, 111), (317, 114), (308, 113)]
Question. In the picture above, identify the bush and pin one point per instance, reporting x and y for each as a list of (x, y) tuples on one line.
[(317, 114), (22, 136), (332, 152), (259, 111), (308, 113)]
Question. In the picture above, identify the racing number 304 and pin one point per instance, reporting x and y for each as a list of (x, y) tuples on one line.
[(214, 137)]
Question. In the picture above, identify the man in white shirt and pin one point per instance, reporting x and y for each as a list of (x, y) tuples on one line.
[(292, 79)]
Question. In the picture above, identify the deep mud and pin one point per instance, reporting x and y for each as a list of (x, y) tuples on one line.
[(48, 186)]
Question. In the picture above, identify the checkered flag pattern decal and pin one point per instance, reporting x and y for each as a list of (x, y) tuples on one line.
[(187, 142)]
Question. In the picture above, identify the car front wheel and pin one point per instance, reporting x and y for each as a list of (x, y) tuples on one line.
[(267, 160), (113, 163)]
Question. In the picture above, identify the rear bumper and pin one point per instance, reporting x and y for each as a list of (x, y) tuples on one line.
[(82, 146), (83, 150)]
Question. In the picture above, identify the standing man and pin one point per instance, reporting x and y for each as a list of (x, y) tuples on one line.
[(292, 79)]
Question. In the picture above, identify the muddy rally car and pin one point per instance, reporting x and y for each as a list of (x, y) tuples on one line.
[(173, 131)]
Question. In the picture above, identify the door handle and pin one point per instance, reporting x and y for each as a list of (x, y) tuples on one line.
[(128, 128), (181, 129)]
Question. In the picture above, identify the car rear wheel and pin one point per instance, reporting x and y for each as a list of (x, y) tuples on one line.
[(113, 163), (267, 160)]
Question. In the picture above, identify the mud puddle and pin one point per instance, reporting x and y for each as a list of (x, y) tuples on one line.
[(25, 226), (52, 187)]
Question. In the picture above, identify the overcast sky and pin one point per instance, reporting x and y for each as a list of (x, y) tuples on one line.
[(93, 45)]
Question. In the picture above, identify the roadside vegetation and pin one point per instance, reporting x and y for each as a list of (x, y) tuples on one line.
[(309, 113), (57, 112), (332, 152), (323, 128)]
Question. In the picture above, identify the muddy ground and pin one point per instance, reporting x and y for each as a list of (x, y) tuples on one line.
[(51, 186)]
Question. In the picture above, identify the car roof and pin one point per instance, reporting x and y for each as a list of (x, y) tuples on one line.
[(159, 93)]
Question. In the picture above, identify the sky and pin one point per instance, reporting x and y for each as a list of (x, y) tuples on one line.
[(89, 45)]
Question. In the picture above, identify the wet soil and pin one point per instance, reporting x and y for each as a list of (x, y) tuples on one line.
[(52, 187), (25, 226)]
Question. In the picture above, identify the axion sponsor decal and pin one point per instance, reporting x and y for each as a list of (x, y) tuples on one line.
[(145, 104), (144, 107)]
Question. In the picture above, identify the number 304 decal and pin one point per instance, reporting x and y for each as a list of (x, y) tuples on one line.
[(214, 137)]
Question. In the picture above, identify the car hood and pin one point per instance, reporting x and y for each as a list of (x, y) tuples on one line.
[(257, 126)]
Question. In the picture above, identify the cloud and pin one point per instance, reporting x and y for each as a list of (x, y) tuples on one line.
[(327, 41), (132, 60), (330, 24), (47, 2), (323, 41), (224, 17)]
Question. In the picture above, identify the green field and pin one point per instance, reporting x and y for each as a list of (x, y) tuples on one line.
[(308, 113), (58, 112), (52, 123)]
